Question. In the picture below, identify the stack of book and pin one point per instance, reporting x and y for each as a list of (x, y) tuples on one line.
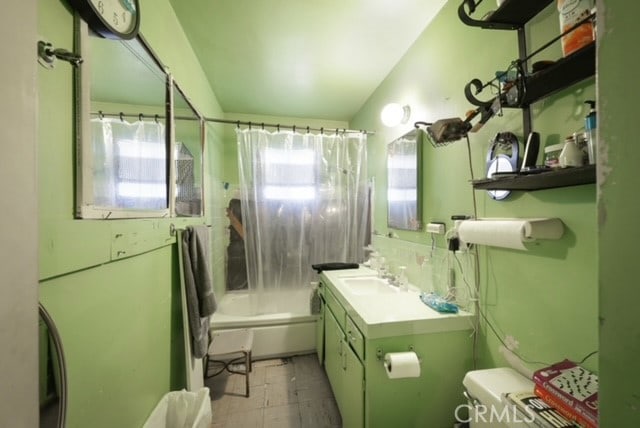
[(533, 411), (570, 389)]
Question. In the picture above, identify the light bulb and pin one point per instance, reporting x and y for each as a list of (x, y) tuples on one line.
[(393, 114)]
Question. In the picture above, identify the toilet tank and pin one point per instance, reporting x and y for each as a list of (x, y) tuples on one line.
[(485, 390)]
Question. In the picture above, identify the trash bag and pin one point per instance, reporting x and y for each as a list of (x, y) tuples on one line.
[(182, 409)]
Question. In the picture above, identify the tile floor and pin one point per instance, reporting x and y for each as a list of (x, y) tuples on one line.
[(285, 393)]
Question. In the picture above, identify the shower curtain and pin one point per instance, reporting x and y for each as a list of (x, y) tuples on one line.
[(129, 164), (304, 201)]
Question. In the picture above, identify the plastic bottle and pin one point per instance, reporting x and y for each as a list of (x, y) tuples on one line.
[(403, 281), (571, 155), (438, 303), (590, 125)]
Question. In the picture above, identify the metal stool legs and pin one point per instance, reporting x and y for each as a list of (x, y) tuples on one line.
[(228, 343)]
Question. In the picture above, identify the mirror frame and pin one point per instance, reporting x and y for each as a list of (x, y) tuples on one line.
[(201, 126), (397, 223), (83, 203)]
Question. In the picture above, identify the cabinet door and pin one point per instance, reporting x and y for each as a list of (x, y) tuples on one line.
[(333, 348), (353, 391), (320, 333)]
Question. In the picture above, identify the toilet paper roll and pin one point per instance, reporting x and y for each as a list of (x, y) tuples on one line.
[(399, 365)]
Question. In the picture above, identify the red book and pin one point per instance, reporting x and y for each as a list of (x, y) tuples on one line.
[(561, 407), (574, 387)]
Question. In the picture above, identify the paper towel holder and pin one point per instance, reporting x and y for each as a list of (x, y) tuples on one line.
[(539, 228), (380, 353)]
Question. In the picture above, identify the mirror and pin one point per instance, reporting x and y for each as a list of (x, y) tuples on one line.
[(403, 177), (188, 149), (52, 373), (123, 143)]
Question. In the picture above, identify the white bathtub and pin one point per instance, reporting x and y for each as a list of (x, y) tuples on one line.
[(275, 334)]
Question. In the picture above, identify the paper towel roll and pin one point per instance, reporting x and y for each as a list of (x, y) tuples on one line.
[(400, 365), (509, 233)]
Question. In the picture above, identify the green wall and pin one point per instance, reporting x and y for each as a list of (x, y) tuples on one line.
[(618, 209), (545, 298), (118, 314)]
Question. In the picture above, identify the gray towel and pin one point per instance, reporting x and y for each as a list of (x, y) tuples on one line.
[(201, 302)]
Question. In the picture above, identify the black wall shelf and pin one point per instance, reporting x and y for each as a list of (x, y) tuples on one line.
[(545, 180), (565, 72), (511, 15), (518, 12)]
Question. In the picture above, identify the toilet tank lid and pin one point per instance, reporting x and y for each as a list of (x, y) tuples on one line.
[(489, 385)]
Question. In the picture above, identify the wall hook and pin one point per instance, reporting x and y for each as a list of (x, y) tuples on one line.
[(47, 55)]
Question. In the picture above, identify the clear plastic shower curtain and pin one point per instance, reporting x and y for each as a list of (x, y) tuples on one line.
[(304, 201), (129, 164)]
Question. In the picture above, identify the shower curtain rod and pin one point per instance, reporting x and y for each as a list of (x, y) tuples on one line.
[(292, 127), (262, 125)]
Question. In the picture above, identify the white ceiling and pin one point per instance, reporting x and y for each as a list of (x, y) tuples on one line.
[(313, 59)]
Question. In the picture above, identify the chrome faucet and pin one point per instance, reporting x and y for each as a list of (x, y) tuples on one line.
[(393, 279)]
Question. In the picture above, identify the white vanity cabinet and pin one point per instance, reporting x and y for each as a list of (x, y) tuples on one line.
[(358, 329)]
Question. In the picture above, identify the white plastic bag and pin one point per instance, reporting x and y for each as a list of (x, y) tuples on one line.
[(182, 409)]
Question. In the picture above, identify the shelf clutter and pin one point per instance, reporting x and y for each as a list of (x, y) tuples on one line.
[(518, 86), (544, 180)]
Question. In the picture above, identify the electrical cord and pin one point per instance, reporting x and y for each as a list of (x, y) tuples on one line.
[(495, 332), (587, 357), (476, 326)]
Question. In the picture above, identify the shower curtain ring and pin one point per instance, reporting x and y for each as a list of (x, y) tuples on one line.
[(294, 129), (307, 129), (321, 131), (238, 124), (262, 124), (337, 130), (140, 117), (249, 125), (100, 114), (156, 118), (121, 117), (278, 127)]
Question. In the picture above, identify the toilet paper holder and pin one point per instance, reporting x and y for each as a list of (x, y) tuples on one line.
[(380, 353)]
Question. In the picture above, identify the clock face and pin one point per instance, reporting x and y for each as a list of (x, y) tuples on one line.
[(119, 15)]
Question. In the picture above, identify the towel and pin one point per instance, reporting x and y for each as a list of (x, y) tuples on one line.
[(334, 266), (201, 302)]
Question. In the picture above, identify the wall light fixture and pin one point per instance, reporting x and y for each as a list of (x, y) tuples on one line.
[(394, 114)]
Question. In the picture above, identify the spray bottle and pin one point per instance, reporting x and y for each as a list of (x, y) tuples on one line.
[(590, 125)]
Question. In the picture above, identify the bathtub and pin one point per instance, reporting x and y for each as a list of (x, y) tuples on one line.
[(275, 334)]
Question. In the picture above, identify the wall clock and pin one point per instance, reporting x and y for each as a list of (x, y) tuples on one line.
[(112, 19)]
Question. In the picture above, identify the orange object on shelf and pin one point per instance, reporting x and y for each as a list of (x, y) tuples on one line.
[(571, 12)]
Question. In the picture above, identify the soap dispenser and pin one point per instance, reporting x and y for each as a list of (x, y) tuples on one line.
[(590, 125)]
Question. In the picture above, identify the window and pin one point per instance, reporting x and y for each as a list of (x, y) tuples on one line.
[(283, 166)]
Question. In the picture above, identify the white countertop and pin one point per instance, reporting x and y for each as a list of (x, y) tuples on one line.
[(393, 313)]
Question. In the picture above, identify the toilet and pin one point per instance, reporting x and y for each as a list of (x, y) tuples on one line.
[(485, 391)]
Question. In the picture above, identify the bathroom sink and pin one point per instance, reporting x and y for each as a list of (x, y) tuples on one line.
[(368, 285)]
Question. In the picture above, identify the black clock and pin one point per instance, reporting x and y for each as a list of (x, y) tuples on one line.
[(112, 19)]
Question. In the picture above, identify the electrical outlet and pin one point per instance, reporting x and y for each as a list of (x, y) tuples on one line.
[(437, 228)]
